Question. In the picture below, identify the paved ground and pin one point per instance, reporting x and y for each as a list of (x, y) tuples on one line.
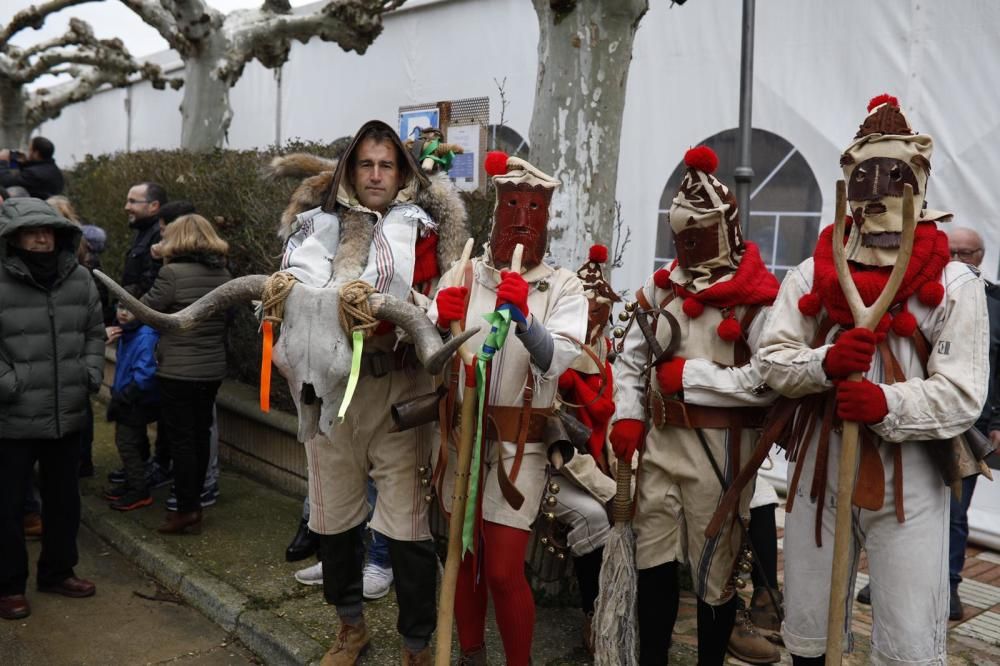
[(235, 573), (131, 620)]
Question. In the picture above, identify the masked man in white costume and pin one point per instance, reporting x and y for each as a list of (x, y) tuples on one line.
[(924, 383), (705, 400), (549, 316)]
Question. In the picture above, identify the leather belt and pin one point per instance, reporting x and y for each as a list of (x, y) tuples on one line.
[(670, 412), (503, 423), (380, 363)]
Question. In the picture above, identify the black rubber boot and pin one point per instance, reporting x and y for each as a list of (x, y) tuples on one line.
[(588, 570), (304, 543), (715, 623), (808, 661), (659, 598), (414, 570), (343, 557)]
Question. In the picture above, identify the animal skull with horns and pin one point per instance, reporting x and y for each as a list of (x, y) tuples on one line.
[(312, 353)]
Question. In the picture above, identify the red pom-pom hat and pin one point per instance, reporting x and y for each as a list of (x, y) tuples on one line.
[(879, 100), (702, 158), (598, 253), (495, 163)]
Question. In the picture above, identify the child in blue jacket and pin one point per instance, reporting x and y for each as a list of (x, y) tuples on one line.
[(134, 404)]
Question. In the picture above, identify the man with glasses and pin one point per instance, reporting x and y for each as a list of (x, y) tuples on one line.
[(142, 205), (966, 246)]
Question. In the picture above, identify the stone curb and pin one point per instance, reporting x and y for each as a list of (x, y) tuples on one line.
[(272, 638)]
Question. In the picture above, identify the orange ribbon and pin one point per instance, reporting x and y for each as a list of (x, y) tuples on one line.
[(265, 368)]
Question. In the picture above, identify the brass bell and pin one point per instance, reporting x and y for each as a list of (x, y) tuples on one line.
[(542, 285), (422, 471), (624, 316), (550, 500), (739, 583), (618, 332), (561, 556), (748, 555), (428, 498), (746, 567), (553, 487), (630, 306), (544, 540), (551, 549), (425, 481), (550, 516)]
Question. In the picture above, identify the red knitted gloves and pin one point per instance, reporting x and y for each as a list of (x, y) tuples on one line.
[(670, 375), (451, 305), (514, 290), (862, 401), (852, 352), (626, 438)]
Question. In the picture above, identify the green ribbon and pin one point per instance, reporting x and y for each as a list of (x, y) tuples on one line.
[(428, 152), (357, 342), (499, 322)]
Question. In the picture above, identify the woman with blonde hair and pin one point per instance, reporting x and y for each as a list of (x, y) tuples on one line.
[(191, 363)]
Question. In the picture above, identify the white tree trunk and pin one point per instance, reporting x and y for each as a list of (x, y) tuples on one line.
[(584, 53), (14, 128), (205, 110)]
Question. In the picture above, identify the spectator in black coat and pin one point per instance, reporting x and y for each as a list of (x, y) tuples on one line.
[(37, 172), (142, 205)]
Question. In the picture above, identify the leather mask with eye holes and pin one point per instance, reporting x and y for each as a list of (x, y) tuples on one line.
[(521, 216)]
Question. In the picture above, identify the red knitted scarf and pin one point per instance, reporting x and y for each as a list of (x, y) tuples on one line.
[(923, 274), (751, 284)]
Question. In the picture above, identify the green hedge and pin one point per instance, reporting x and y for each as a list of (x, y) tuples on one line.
[(227, 188)]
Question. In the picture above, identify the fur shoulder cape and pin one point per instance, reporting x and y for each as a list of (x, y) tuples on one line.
[(440, 200)]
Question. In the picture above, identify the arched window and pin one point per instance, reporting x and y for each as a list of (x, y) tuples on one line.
[(502, 137), (785, 199)]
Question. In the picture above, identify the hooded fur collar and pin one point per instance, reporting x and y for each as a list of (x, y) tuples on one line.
[(439, 199)]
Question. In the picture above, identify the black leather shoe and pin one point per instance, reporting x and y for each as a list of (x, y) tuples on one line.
[(955, 609), (304, 544)]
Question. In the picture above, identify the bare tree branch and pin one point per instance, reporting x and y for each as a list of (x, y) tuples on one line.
[(351, 24), (155, 15), (45, 104), (34, 17)]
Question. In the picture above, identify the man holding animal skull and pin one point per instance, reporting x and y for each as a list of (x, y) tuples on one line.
[(370, 228), (924, 383)]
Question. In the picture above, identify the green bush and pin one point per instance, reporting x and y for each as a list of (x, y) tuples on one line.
[(227, 188)]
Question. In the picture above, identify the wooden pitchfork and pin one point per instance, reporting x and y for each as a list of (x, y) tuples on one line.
[(463, 463), (865, 317)]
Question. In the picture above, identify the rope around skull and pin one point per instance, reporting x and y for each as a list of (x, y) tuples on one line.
[(355, 310), (276, 290)]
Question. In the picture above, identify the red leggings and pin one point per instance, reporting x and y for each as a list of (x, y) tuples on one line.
[(502, 562)]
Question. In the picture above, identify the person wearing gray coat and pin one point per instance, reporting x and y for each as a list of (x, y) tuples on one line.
[(51, 360)]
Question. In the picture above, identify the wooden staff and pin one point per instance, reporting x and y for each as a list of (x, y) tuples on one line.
[(463, 463), (864, 317)]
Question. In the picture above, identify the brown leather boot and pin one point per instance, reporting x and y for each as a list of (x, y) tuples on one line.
[(747, 644), (179, 523), (352, 641), (764, 615), (14, 607), (423, 658), (475, 657)]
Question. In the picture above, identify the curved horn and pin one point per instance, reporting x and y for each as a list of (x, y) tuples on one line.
[(240, 290), (431, 351)]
